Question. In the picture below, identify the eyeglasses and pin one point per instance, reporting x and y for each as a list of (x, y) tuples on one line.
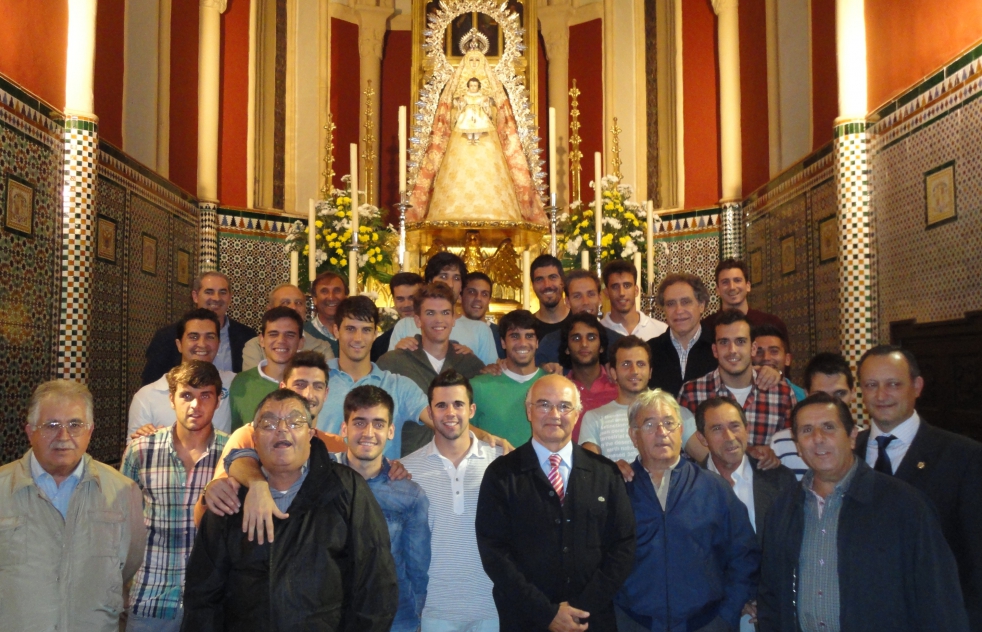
[(270, 422), (544, 407), (648, 427), (75, 427)]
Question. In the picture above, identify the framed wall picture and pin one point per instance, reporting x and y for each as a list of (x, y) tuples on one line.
[(828, 239), (105, 242), (756, 267), (183, 267), (939, 195), (18, 214), (787, 255), (149, 254)]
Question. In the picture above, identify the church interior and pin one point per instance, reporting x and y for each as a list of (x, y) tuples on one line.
[(833, 145)]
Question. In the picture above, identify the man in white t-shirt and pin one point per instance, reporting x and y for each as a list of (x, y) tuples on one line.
[(621, 287), (197, 339)]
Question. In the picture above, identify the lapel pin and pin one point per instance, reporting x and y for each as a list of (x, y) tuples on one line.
[(920, 465), (601, 499)]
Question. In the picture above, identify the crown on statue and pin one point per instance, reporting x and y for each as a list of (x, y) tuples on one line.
[(475, 40)]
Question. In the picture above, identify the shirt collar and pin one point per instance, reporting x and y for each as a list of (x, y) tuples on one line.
[(320, 327), (723, 389), (543, 453), (843, 485), (515, 377), (604, 376), (262, 374), (904, 432), (38, 473), (743, 472), (431, 449), (296, 485), (692, 341), (334, 369), (342, 458)]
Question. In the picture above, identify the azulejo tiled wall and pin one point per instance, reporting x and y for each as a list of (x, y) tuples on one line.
[(31, 155), (688, 242), (250, 247)]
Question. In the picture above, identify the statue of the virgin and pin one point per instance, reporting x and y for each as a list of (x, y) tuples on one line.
[(474, 167)]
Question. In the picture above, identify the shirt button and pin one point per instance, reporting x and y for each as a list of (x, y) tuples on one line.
[(552, 493), (558, 521), (565, 549), (458, 493)]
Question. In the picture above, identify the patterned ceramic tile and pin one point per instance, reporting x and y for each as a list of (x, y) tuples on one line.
[(825, 295), (209, 237), (255, 266), (733, 232), (693, 254), (185, 237)]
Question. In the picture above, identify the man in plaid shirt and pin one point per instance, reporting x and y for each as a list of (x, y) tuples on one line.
[(172, 466), (767, 410)]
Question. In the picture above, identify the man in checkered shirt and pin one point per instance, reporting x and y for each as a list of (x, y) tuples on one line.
[(172, 467), (767, 410)]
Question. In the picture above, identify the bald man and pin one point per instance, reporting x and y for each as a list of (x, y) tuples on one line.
[(563, 577)]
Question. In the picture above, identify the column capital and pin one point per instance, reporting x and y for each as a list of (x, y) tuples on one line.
[(719, 6), (554, 26), (372, 25), (219, 5)]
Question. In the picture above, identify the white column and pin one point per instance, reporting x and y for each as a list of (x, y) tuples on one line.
[(163, 89), (371, 35), (850, 48), (209, 78), (732, 229), (554, 25), (81, 57)]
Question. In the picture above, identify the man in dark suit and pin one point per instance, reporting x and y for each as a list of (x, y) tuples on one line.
[(684, 298), (211, 290), (556, 558), (945, 466), (851, 549)]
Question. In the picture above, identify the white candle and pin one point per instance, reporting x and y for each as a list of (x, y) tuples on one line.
[(650, 243), (553, 161), (597, 197), (526, 268), (312, 241), (294, 268), (354, 194), (353, 273), (402, 149), (585, 259), (637, 267)]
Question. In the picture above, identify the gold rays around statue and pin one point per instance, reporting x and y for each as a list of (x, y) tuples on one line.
[(368, 156), (328, 158), (575, 155), (615, 150)]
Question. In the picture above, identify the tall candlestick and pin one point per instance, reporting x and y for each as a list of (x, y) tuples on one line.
[(585, 259), (312, 241), (650, 243), (402, 148), (526, 271), (354, 194), (294, 268), (637, 267), (597, 197), (353, 272), (553, 161)]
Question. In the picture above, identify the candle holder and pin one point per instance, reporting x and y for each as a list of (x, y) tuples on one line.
[(353, 251), (648, 304), (553, 214), (402, 206), (597, 250)]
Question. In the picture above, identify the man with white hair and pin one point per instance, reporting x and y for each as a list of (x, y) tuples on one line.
[(71, 528), (284, 295)]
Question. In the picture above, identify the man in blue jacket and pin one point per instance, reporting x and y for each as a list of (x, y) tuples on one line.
[(697, 557)]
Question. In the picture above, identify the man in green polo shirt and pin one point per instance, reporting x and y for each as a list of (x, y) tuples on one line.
[(280, 336), (500, 399)]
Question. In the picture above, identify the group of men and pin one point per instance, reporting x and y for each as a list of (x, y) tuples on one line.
[(552, 471)]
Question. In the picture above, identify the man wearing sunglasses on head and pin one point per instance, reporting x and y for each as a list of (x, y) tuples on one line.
[(329, 567)]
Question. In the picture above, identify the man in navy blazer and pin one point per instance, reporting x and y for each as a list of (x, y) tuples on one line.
[(554, 525), (945, 466), (211, 290)]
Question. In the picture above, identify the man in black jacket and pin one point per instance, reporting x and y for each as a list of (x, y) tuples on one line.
[(851, 549), (945, 466), (554, 524), (684, 298), (211, 290), (329, 568)]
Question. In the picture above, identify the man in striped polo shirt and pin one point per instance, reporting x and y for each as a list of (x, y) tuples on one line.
[(450, 470)]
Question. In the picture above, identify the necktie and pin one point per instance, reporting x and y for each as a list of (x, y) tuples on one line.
[(882, 459), (555, 477)]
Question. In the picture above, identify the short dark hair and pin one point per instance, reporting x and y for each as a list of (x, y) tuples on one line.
[(547, 261), (367, 396), (357, 308), (306, 359), (478, 276), (432, 290), (200, 313), (439, 262), (828, 363), (767, 329), (450, 377), (628, 342), (400, 279), (474, 79), (823, 399), (619, 266), (698, 287), (885, 350), (327, 276), (729, 264), (579, 273), (282, 395), (729, 317), (281, 311), (589, 320), (716, 402), (518, 319), (196, 374)]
